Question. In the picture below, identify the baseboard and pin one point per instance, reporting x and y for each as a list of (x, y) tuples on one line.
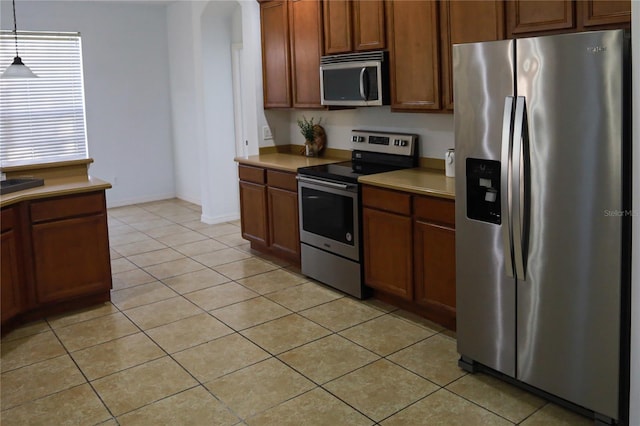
[(189, 199), (138, 200), (214, 220)]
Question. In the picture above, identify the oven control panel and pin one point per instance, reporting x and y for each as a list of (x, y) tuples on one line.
[(384, 142)]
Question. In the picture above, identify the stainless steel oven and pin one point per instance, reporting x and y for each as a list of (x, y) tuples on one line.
[(330, 233), (329, 206)]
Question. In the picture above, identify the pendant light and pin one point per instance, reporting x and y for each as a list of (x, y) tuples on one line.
[(17, 69)]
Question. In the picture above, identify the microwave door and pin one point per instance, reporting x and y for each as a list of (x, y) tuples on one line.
[(350, 84)]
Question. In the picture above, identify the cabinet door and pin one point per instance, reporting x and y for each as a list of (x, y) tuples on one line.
[(11, 281), (337, 26), (387, 252), (283, 222), (274, 27), (368, 25), (466, 22), (606, 12), (414, 59), (253, 212), (71, 258), (534, 16), (305, 26), (435, 272)]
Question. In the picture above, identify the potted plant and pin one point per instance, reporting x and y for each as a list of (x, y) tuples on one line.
[(314, 136)]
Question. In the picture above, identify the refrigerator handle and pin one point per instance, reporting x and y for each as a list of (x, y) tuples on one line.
[(518, 170), (505, 184)]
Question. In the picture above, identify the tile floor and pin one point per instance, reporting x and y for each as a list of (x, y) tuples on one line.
[(204, 331)]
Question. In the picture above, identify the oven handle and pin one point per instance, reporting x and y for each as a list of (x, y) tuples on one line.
[(323, 183)]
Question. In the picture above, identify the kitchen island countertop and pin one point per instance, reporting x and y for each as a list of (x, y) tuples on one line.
[(60, 178), (421, 181), (56, 187)]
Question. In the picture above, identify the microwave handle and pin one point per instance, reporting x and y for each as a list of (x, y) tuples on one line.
[(363, 95)]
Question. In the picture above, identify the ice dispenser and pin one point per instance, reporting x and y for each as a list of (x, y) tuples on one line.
[(483, 190)]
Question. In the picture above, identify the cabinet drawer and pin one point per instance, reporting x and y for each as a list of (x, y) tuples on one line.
[(59, 208), (384, 199), (435, 209), (282, 180), (251, 174), (7, 218)]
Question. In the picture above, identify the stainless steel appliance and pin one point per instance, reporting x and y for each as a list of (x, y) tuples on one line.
[(542, 141), (355, 79), (329, 202)]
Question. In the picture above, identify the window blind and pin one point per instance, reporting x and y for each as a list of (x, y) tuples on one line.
[(43, 119)]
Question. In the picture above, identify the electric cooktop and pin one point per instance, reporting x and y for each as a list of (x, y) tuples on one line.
[(346, 171)]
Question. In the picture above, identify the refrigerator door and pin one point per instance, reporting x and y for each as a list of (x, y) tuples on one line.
[(568, 304), (485, 295)]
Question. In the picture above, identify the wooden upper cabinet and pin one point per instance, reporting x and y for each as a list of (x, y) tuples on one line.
[(305, 27), (534, 16), (368, 25), (337, 26), (605, 12), (466, 22), (353, 25), (275, 54), (414, 55)]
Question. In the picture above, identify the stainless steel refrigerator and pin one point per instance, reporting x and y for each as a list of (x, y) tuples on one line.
[(542, 136)]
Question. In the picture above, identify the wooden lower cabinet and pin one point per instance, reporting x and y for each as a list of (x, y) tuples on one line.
[(387, 252), (253, 212), (435, 271), (12, 294), (283, 222), (55, 256), (269, 211), (409, 252), (71, 258)]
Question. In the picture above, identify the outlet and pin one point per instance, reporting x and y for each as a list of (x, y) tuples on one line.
[(267, 133)]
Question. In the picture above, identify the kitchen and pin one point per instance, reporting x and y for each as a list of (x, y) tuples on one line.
[(148, 134)]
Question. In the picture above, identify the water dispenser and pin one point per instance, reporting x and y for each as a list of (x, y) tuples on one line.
[(483, 190)]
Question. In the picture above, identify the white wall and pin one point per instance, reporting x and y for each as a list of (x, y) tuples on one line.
[(220, 200), (634, 414), (200, 38), (126, 89), (183, 22)]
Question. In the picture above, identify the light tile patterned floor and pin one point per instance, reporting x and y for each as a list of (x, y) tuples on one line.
[(202, 330)]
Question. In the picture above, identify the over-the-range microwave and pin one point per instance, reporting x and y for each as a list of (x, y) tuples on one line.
[(355, 79)]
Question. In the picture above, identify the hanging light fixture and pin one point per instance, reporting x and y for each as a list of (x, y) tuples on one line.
[(17, 69)]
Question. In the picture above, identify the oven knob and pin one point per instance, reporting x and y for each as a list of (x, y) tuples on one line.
[(348, 236), (403, 143), (396, 142), (354, 139), (360, 138)]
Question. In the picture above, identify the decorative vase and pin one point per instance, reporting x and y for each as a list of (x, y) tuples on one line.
[(313, 148)]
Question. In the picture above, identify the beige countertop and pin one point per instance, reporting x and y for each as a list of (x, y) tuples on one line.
[(55, 187), (285, 162), (419, 181)]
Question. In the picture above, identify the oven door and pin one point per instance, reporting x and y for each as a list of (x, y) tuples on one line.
[(329, 216)]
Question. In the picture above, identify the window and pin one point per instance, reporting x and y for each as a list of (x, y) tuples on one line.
[(43, 119)]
